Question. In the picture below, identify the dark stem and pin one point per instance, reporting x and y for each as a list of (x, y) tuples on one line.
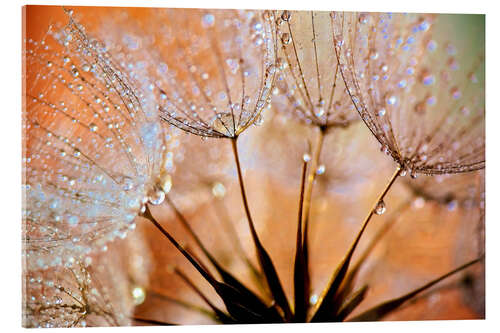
[(147, 214), (265, 261), (219, 313), (182, 303), (312, 176), (301, 274), (379, 311), (242, 189), (326, 301), (233, 237)]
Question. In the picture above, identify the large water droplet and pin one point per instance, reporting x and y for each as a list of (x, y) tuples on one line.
[(306, 157), (218, 190), (157, 197), (380, 208), (138, 295)]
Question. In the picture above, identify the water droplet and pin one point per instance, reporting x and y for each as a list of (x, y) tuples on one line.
[(75, 72), (321, 169), (93, 127), (392, 100), (49, 63), (218, 190), (157, 197), (86, 67), (306, 157), (286, 38), (319, 110), (452, 205), (286, 15), (381, 113), (419, 202), (427, 78), (373, 55), (138, 295), (363, 19), (313, 299), (73, 220), (380, 208), (259, 120), (208, 20)]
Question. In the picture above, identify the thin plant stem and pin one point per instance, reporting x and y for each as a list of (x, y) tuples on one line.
[(243, 193), (198, 265), (312, 175), (300, 275), (219, 313), (265, 261), (233, 237), (182, 303), (378, 236), (374, 206), (351, 275), (327, 296), (380, 310)]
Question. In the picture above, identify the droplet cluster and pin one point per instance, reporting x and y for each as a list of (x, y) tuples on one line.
[(69, 297), (309, 83), (213, 73), (94, 149), (424, 106)]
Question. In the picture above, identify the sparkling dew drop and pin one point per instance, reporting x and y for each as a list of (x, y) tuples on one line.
[(380, 208), (138, 295), (157, 197), (321, 169), (218, 190)]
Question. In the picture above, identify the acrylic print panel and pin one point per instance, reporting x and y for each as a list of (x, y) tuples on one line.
[(198, 166)]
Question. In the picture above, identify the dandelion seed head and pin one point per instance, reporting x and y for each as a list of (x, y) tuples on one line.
[(93, 153), (426, 112), (217, 71), (309, 78)]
